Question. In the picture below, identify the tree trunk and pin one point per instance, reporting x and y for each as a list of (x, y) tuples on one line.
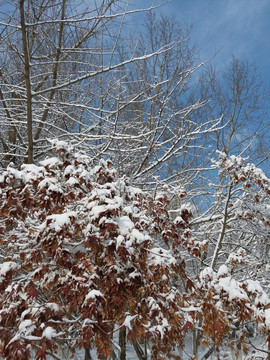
[(268, 356), (122, 344), (28, 85), (196, 339), (223, 228), (208, 353), (237, 354), (142, 355), (87, 355)]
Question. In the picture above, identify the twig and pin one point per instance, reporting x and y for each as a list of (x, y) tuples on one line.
[(264, 351)]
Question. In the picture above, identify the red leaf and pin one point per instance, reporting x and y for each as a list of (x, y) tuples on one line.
[(189, 284), (32, 292), (218, 327), (188, 326)]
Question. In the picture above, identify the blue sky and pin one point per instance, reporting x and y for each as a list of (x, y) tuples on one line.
[(232, 27), (225, 28)]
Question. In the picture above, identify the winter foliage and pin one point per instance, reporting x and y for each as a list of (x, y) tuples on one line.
[(143, 227), (85, 256)]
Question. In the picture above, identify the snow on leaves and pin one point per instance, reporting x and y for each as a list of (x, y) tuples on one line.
[(85, 255), (81, 260)]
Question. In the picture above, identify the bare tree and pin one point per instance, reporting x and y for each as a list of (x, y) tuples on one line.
[(64, 75), (160, 116), (50, 69), (237, 94), (234, 236)]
